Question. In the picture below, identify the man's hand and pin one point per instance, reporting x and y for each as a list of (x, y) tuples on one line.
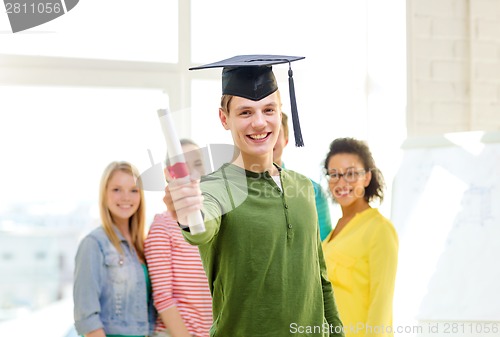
[(182, 199)]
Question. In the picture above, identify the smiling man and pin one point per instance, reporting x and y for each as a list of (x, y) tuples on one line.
[(261, 249)]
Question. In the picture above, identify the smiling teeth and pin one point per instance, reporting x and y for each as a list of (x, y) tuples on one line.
[(261, 136), (343, 192)]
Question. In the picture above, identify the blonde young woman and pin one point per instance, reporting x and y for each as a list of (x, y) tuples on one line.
[(112, 292), (361, 252)]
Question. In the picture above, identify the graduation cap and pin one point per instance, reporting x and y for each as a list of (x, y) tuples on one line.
[(251, 77)]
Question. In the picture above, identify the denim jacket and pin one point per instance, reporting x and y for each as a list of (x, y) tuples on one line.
[(110, 289)]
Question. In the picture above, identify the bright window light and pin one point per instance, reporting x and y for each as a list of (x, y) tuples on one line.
[(111, 29)]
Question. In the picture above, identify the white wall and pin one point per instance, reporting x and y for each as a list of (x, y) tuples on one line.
[(453, 86), (453, 66)]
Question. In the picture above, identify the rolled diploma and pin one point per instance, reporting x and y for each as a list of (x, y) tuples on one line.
[(178, 168)]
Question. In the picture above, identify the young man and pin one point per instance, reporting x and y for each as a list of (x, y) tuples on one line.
[(261, 248)]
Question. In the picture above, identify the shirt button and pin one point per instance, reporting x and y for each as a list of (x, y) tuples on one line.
[(289, 225), (286, 206)]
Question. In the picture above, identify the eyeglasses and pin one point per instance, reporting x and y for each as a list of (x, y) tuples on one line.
[(350, 176)]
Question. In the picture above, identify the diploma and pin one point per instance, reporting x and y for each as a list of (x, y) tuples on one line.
[(178, 168)]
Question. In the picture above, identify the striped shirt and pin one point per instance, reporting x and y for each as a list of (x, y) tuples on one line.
[(177, 276)]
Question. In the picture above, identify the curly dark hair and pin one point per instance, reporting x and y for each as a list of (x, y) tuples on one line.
[(375, 190)]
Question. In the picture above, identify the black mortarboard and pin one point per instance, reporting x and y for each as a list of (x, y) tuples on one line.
[(251, 77)]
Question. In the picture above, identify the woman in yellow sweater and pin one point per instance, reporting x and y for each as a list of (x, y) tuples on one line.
[(361, 252)]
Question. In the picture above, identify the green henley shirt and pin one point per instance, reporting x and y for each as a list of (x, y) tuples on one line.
[(263, 258)]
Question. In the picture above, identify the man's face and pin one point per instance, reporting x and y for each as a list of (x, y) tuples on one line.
[(254, 125)]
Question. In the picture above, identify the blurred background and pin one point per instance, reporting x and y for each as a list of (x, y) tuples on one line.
[(418, 79)]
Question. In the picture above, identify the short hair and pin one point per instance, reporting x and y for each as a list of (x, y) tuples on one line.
[(359, 148), (224, 103), (226, 100)]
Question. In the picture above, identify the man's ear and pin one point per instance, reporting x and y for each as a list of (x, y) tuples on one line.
[(223, 118)]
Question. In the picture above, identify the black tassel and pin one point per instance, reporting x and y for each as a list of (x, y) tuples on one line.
[(295, 114)]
